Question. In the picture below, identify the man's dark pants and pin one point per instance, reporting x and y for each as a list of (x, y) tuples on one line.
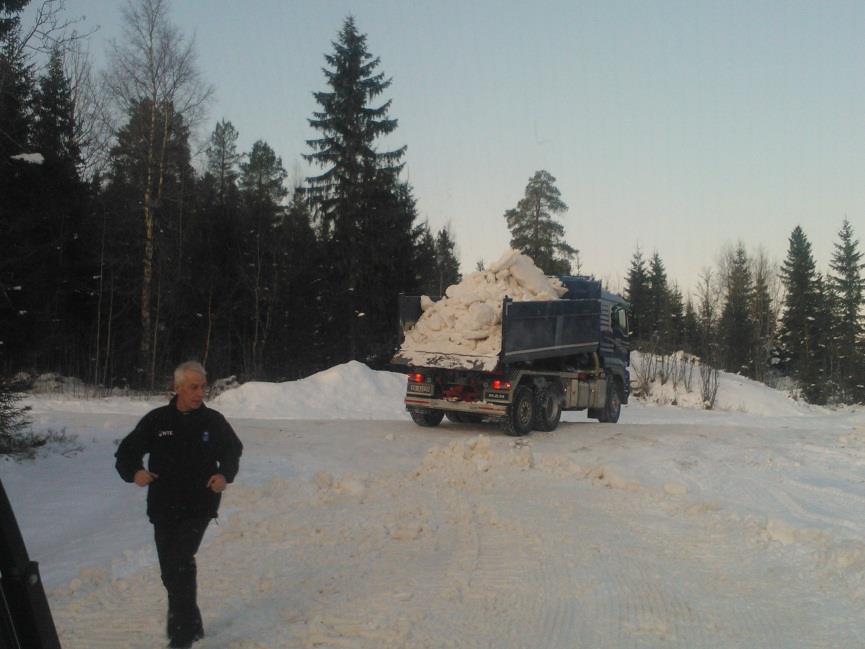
[(176, 544)]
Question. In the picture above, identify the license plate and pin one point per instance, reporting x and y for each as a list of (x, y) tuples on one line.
[(496, 396), (420, 388)]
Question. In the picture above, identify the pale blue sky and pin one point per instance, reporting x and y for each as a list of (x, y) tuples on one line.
[(678, 126)]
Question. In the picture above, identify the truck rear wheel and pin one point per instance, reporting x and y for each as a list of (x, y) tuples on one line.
[(427, 418), (521, 414), (548, 409)]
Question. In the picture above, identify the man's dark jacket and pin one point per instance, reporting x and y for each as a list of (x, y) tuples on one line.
[(185, 450)]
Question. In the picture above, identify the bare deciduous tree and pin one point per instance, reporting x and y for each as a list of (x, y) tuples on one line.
[(92, 126), (154, 66)]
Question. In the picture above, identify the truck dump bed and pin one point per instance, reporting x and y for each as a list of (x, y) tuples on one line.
[(530, 331)]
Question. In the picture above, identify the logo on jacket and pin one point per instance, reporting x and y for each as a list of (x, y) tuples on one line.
[(165, 433), (205, 436)]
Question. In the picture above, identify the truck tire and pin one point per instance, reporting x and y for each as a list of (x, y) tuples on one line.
[(548, 408), (609, 414), (521, 414), (427, 418)]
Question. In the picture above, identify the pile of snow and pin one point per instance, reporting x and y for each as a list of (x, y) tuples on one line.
[(348, 391), (735, 393), (467, 321)]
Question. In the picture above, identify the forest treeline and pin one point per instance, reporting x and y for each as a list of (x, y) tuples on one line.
[(120, 257), (768, 323)]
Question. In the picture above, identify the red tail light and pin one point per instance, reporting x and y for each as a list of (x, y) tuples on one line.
[(416, 378), (498, 384)]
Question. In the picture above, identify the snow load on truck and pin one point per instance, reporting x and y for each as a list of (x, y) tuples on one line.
[(464, 328)]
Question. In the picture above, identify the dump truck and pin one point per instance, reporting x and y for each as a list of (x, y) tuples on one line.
[(566, 354)]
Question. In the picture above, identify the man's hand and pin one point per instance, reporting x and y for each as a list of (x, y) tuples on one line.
[(143, 478), (217, 483)]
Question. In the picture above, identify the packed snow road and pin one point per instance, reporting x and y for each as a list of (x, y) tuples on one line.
[(675, 528)]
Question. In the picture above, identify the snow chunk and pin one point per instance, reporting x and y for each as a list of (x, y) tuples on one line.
[(32, 158)]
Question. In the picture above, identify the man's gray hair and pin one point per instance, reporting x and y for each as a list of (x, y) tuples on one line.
[(188, 366)]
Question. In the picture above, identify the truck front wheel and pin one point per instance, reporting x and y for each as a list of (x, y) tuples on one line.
[(427, 418), (521, 414), (609, 414)]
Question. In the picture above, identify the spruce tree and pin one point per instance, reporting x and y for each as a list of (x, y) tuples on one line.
[(762, 317), (9, 20), (691, 327), (358, 202), (54, 128), (799, 337), (447, 265), (637, 293), (676, 311), (425, 268), (534, 230), (16, 90), (736, 325), (846, 286), (658, 307)]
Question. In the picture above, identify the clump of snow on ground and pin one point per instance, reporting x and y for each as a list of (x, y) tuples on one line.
[(680, 385), (468, 319)]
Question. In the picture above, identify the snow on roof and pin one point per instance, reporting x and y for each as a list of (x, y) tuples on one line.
[(32, 158)]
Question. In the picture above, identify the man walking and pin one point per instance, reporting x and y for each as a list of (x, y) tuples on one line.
[(193, 454)]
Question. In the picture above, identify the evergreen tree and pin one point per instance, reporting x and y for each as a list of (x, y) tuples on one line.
[(54, 128), (534, 230), (358, 199), (846, 285), (9, 20), (736, 325), (16, 89), (676, 311), (424, 264), (763, 318), (637, 293), (18, 180), (691, 342), (218, 236), (447, 266), (799, 336), (658, 306), (223, 160), (263, 190)]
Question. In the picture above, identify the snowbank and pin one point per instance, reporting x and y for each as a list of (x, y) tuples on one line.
[(735, 393), (347, 391)]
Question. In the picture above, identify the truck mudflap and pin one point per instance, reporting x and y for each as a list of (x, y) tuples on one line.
[(495, 410)]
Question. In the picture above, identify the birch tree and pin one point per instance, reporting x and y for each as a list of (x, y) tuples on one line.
[(154, 65)]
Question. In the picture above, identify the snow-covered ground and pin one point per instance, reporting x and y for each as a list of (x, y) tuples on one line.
[(349, 526)]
